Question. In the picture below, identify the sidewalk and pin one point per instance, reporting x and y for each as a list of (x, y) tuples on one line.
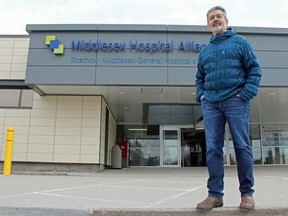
[(137, 191)]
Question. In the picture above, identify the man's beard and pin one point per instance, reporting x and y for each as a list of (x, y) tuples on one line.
[(218, 28)]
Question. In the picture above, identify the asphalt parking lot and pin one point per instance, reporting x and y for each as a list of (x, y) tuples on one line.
[(136, 191)]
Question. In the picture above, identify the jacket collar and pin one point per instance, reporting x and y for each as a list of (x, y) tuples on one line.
[(218, 38)]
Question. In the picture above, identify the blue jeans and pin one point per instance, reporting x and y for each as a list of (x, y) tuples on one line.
[(237, 113)]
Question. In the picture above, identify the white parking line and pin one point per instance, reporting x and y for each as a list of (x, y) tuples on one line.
[(117, 184), (158, 202), (63, 189), (85, 198)]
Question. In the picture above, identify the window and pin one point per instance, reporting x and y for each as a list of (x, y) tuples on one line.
[(275, 143), (255, 143), (144, 144), (16, 98)]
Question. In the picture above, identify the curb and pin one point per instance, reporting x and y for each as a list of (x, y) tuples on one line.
[(13, 211), (187, 212), (16, 211)]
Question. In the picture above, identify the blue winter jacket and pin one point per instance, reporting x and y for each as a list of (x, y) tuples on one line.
[(227, 66)]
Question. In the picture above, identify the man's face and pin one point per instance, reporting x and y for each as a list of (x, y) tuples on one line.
[(216, 22)]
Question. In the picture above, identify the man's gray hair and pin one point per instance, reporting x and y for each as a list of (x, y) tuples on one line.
[(217, 8)]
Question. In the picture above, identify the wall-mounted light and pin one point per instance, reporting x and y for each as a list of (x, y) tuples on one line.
[(137, 129), (199, 129)]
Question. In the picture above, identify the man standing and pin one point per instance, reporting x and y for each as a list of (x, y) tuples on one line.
[(227, 79)]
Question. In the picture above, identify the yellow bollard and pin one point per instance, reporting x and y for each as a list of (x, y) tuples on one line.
[(8, 151)]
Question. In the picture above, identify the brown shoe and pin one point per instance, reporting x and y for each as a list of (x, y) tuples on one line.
[(210, 203), (247, 203)]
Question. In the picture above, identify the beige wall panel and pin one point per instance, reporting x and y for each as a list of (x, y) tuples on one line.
[(67, 140), (6, 51), (43, 122), (69, 113), (45, 98), (67, 149), (72, 131), (41, 139), (2, 112), (6, 43), (2, 128), (90, 131), (68, 122), (102, 132), (93, 123), (5, 59), (19, 148), (20, 52), (2, 120), (91, 114), (89, 149), (20, 138), (45, 113), (39, 157), (90, 140), (92, 98), (67, 158), (5, 67), (16, 121), (44, 104), (92, 105), (18, 68), (19, 59), (17, 75), (18, 112), (85, 158), (18, 156), (39, 130), (1, 135), (22, 43), (70, 98), (4, 75), (68, 105), (40, 148)]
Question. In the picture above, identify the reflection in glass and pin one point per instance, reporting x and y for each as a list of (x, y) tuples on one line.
[(257, 156), (144, 152), (170, 156), (170, 147), (275, 155), (144, 156), (275, 143)]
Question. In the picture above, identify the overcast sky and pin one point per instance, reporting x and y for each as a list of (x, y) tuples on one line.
[(15, 14)]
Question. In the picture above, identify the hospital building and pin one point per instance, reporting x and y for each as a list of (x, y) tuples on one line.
[(76, 92)]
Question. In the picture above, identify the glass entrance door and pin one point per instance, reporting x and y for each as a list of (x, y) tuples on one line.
[(170, 140)]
